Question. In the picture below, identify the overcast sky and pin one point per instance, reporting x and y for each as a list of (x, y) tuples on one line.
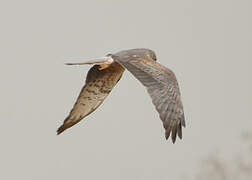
[(206, 43)]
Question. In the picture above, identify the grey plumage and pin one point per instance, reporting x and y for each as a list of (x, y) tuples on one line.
[(160, 82)]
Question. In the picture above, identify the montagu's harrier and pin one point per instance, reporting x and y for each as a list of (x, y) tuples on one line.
[(160, 82)]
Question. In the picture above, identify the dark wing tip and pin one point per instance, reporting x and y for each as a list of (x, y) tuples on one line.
[(182, 120), (180, 131), (167, 133), (67, 124), (174, 134), (174, 131), (61, 129)]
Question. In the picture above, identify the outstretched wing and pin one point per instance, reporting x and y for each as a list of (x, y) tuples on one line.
[(163, 88), (98, 85)]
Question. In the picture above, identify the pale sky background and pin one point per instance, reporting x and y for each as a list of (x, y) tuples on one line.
[(206, 43)]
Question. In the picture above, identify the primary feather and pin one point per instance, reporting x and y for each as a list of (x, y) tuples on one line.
[(163, 88), (160, 82)]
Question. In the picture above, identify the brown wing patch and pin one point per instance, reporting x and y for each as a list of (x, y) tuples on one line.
[(98, 85), (163, 88)]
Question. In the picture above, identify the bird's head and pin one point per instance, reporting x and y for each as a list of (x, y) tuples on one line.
[(149, 54)]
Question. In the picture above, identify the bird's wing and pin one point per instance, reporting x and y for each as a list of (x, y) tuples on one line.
[(98, 85), (163, 88)]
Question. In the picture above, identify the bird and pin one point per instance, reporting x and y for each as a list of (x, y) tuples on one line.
[(160, 82)]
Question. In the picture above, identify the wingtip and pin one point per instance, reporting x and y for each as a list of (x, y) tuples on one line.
[(173, 132), (167, 133), (61, 129), (182, 121), (166, 137), (173, 139), (179, 131)]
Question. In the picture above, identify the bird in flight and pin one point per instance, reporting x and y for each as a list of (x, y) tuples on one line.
[(159, 81)]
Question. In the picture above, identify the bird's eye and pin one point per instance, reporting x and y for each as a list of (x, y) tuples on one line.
[(154, 57)]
